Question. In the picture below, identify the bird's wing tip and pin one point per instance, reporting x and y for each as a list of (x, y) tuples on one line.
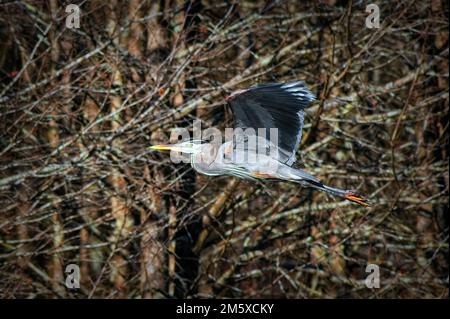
[(299, 90)]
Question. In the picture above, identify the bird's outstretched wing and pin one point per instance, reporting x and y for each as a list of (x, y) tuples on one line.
[(274, 105)]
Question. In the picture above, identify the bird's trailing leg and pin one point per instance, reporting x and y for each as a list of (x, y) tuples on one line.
[(313, 182), (308, 180), (354, 197), (347, 194)]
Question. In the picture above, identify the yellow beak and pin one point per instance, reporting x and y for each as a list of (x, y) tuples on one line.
[(182, 148), (162, 147)]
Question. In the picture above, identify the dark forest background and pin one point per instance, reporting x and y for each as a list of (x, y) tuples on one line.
[(80, 107)]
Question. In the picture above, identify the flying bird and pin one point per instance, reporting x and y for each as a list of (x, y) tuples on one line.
[(254, 156)]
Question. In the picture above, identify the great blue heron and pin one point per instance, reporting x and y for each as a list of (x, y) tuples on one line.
[(266, 106)]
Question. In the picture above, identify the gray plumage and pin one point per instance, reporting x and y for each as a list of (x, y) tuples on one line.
[(255, 157), (274, 105)]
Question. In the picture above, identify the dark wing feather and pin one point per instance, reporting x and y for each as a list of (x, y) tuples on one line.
[(273, 105)]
